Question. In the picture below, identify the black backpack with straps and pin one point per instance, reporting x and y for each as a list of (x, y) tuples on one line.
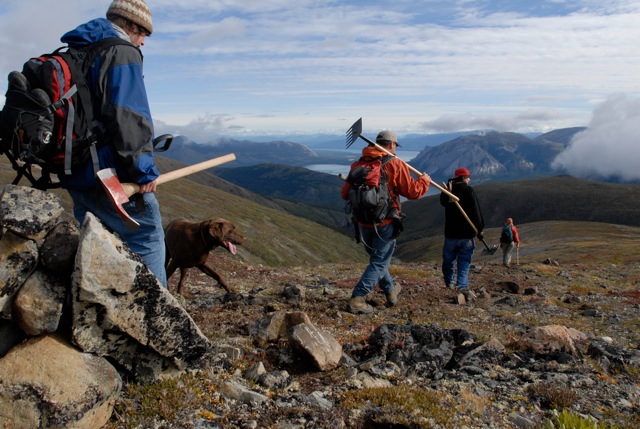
[(47, 119), (369, 197)]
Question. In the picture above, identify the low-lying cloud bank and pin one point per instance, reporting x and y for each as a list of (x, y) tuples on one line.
[(609, 147)]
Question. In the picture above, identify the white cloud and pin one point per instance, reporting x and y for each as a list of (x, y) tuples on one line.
[(508, 65), (609, 147)]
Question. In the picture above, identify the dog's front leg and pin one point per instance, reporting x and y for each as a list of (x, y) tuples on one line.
[(212, 273), (183, 279)]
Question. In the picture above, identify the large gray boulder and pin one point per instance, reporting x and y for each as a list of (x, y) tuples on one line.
[(120, 309), (46, 383)]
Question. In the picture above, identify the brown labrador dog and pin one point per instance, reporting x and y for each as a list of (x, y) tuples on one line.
[(188, 245)]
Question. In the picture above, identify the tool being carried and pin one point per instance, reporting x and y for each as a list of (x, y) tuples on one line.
[(356, 131), (488, 250), (119, 193)]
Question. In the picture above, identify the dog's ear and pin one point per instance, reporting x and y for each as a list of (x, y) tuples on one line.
[(219, 228)]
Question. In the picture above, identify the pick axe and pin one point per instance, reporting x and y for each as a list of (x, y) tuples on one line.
[(356, 131), (119, 193)]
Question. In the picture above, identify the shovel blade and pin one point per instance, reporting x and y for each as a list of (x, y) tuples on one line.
[(489, 250), (117, 195)]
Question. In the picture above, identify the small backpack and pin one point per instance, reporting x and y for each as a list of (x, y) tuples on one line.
[(506, 236), (369, 195), (48, 105)]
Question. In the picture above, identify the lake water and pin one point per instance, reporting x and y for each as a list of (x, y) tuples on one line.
[(335, 169)]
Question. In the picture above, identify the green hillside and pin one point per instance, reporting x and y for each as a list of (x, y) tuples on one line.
[(561, 198), (274, 237)]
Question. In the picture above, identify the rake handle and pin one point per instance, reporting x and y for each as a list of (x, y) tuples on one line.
[(464, 214), (470, 223), (414, 170)]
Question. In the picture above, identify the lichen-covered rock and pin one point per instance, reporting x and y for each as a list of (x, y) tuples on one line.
[(29, 212), (120, 309)]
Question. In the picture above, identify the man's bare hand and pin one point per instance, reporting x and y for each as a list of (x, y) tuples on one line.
[(148, 187)]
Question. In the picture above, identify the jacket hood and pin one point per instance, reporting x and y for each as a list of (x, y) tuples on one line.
[(89, 32), (373, 152)]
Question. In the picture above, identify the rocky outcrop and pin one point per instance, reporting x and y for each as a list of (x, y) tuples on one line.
[(90, 312)]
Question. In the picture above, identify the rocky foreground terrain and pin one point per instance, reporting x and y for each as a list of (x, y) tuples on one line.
[(547, 341)]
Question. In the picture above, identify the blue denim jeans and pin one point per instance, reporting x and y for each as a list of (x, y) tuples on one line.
[(460, 251), (147, 241), (380, 246)]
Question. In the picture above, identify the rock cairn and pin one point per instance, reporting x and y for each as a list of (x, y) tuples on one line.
[(78, 312)]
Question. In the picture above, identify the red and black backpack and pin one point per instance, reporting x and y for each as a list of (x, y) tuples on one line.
[(47, 119)]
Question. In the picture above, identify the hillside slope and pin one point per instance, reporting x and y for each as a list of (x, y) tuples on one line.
[(562, 198), (274, 237)]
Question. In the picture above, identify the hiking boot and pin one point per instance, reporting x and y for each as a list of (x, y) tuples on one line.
[(392, 298), (358, 305)]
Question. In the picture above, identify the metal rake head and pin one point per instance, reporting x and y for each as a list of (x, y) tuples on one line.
[(354, 132)]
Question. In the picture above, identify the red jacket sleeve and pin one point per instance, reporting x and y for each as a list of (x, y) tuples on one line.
[(345, 190), (401, 182), (514, 231)]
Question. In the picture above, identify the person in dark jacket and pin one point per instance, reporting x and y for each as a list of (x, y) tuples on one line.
[(380, 239), (122, 112), (459, 235)]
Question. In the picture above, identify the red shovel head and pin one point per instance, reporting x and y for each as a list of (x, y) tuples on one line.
[(117, 195)]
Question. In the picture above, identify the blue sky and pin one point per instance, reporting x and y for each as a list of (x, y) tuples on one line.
[(255, 67), (243, 67)]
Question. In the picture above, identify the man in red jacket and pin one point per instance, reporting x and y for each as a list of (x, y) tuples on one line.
[(380, 239)]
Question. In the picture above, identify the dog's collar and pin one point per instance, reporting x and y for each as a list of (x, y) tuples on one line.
[(208, 245)]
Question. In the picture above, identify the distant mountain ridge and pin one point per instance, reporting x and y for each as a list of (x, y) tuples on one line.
[(247, 152), (491, 156), (496, 156)]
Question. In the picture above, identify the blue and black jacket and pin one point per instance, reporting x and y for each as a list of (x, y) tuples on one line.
[(120, 106)]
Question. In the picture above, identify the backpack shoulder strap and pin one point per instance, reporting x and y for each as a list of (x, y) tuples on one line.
[(79, 71)]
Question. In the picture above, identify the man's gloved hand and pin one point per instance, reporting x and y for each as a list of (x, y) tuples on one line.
[(480, 236)]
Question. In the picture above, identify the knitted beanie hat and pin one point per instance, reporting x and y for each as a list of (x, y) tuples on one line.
[(135, 11)]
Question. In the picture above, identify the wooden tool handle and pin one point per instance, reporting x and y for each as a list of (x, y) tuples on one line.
[(191, 169), (414, 170), (132, 188), (464, 214)]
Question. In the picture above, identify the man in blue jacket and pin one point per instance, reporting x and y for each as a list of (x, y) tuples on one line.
[(122, 111)]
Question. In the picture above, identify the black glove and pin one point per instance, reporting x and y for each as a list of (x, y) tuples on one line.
[(480, 236)]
